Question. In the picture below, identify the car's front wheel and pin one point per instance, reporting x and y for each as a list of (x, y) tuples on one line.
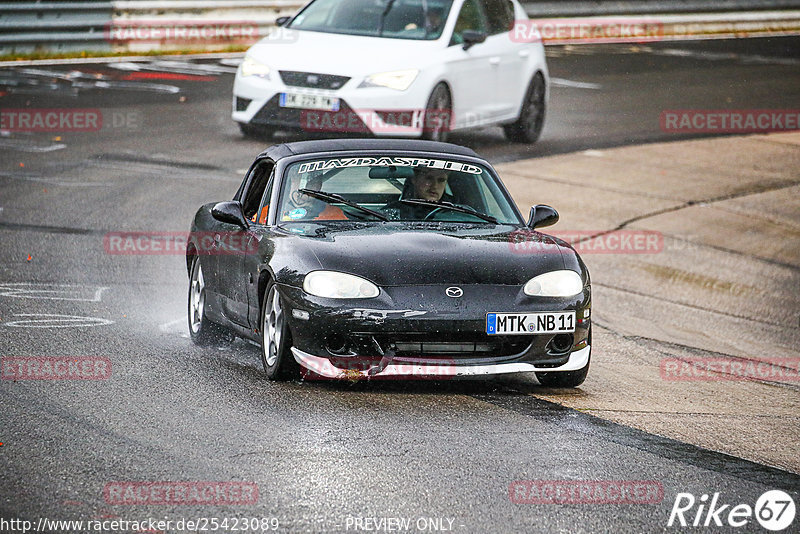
[(528, 127), (201, 329), (276, 340), (438, 115)]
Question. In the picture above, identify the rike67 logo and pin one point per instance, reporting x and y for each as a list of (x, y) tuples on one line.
[(774, 510)]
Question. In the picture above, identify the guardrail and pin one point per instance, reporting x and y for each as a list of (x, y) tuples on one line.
[(213, 25), (29, 27), (227, 22)]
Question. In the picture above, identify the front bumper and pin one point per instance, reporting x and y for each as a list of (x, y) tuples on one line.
[(256, 102), (325, 368), (412, 331)]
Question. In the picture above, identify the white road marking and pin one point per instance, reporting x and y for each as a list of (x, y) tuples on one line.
[(51, 320), (561, 82), (725, 56), (53, 181), (167, 326), (207, 68), (177, 67), (13, 144), (32, 290)]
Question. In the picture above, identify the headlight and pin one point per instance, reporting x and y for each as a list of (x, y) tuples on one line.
[(251, 67), (554, 284), (333, 285), (399, 79)]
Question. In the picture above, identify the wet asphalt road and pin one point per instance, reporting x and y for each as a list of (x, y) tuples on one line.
[(320, 454)]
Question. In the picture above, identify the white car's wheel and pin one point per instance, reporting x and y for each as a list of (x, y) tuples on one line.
[(256, 132), (438, 114), (528, 127)]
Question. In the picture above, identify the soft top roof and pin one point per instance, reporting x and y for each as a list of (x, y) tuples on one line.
[(337, 145)]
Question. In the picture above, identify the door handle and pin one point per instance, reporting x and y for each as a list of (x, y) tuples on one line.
[(494, 61)]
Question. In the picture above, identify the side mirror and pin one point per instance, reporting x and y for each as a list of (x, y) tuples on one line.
[(230, 212), (472, 37), (280, 21), (542, 215)]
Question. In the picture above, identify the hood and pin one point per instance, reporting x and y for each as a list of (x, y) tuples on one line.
[(418, 253), (346, 55)]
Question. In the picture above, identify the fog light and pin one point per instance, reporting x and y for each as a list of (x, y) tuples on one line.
[(561, 343)]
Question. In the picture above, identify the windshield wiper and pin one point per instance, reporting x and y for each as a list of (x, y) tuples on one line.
[(386, 10), (333, 197), (450, 206)]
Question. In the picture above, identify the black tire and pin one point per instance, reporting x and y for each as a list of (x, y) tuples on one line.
[(436, 127), (201, 330), (276, 341), (528, 127), (256, 132), (566, 379)]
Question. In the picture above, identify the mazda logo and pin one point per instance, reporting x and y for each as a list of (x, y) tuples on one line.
[(454, 292)]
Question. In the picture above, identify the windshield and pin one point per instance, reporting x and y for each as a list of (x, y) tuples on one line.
[(399, 19), (393, 188)]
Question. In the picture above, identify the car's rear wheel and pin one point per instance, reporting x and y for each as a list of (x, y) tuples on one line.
[(201, 329), (276, 340), (437, 115), (528, 127)]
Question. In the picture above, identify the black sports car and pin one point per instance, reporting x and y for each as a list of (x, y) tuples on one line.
[(387, 258)]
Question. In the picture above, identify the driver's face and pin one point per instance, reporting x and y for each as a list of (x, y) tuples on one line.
[(429, 184)]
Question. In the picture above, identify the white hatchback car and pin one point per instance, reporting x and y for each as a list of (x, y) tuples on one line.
[(400, 68)]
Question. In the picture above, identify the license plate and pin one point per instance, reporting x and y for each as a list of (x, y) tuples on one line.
[(530, 323), (294, 100)]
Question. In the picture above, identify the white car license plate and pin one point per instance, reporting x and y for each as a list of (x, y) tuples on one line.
[(295, 100), (530, 323)]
